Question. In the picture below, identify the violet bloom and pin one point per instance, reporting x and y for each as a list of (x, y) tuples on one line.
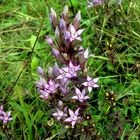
[(91, 83), (80, 95), (6, 117), (51, 86), (45, 94), (59, 114), (72, 34), (69, 71), (73, 117)]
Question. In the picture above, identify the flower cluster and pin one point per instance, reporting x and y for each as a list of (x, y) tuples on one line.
[(67, 86), (5, 117)]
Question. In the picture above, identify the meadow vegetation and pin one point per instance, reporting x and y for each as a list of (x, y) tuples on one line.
[(111, 34)]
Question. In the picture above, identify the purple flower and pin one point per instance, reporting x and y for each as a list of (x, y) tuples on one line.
[(69, 71), (51, 86), (73, 117), (72, 34), (91, 83), (44, 94), (6, 117), (59, 114), (80, 95), (61, 111)]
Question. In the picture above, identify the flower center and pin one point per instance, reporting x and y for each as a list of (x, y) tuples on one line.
[(60, 113), (74, 118), (91, 83), (71, 70)]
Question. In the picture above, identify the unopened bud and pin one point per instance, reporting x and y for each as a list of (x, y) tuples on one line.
[(40, 70), (65, 13), (57, 32), (53, 18), (57, 54), (77, 20), (62, 24), (49, 41)]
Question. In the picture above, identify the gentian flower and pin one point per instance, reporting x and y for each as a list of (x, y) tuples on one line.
[(80, 95), (73, 117), (69, 71), (59, 114), (72, 34), (44, 94), (91, 83), (6, 117), (51, 86)]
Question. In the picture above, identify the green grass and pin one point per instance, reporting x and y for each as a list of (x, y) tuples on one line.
[(112, 35)]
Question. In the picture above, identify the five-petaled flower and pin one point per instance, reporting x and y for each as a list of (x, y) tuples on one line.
[(6, 117), (80, 95), (51, 86), (73, 117), (91, 83), (44, 94), (59, 114), (72, 34), (69, 71)]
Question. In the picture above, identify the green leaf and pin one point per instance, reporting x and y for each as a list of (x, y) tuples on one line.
[(34, 63)]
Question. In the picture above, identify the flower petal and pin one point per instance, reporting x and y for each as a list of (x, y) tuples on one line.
[(89, 89), (95, 80), (78, 92), (71, 113), (77, 111), (73, 123), (95, 85), (68, 119), (75, 97), (85, 84), (79, 32)]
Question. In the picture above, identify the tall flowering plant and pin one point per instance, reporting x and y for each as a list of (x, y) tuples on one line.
[(67, 87)]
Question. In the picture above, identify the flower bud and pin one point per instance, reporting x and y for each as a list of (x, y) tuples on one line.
[(62, 25), (57, 54), (49, 41), (65, 14), (40, 70), (77, 19), (53, 18), (57, 32)]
